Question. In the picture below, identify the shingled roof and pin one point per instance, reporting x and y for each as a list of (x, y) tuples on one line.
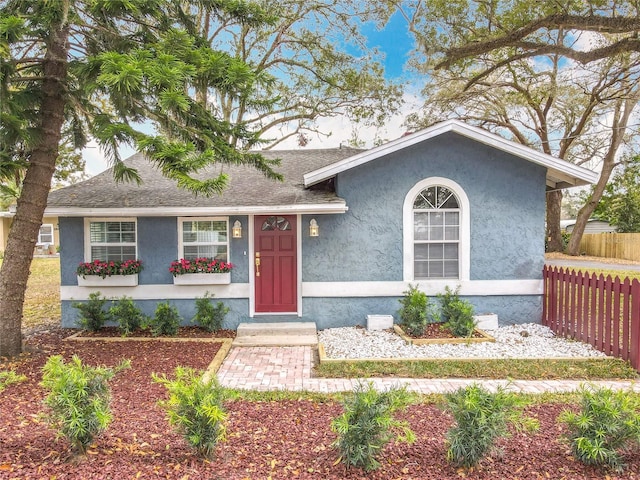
[(248, 190)]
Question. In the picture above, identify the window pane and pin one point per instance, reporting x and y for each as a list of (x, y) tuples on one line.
[(450, 251), (219, 252), (421, 226), (451, 268), (97, 232), (436, 251), (436, 269), (421, 251), (420, 269), (451, 233), (112, 233)]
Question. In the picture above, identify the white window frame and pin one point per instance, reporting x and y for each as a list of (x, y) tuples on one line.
[(87, 234), (40, 242), (181, 244), (464, 245)]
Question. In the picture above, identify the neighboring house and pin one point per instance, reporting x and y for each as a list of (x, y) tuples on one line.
[(450, 205), (593, 226), (48, 240)]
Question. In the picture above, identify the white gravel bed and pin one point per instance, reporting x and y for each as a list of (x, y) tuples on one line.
[(528, 340)]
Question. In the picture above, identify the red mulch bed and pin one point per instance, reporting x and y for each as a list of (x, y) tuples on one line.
[(289, 439), (438, 330)]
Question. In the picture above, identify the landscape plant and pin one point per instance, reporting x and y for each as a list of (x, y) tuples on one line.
[(446, 300), (9, 377), (368, 424), (78, 398), (461, 321), (129, 317), (210, 316), (106, 269), (165, 321), (92, 313), (607, 424), (414, 313), (199, 265), (481, 417), (195, 408)]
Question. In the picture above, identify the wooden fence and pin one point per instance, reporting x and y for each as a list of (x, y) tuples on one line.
[(625, 246), (603, 312)]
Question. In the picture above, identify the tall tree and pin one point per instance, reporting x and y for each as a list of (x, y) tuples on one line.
[(548, 102), (620, 203), (73, 69), (312, 62)]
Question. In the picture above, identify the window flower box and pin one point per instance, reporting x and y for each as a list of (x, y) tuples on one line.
[(202, 279), (112, 281), (109, 274), (201, 271)]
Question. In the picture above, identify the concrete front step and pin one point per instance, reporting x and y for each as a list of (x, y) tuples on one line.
[(276, 334), (276, 341)]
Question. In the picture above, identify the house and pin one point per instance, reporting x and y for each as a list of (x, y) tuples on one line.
[(342, 237), (48, 240), (593, 226)]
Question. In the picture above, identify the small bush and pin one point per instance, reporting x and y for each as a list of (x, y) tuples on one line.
[(165, 321), (78, 398), (127, 314), (607, 424), (92, 313), (195, 409), (414, 313), (367, 424), (9, 377), (461, 321), (446, 299), (481, 417), (208, 315)]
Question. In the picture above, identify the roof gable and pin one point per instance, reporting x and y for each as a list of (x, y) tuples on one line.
[(560, 173)]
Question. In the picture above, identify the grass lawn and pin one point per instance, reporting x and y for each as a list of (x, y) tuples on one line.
[(42, 302)]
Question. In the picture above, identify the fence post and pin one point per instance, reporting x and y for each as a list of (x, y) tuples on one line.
[(635, 324)]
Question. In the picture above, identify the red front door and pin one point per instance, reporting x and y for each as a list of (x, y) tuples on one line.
[(275, 264)]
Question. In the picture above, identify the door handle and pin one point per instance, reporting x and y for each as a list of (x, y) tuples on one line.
[(257, 264)]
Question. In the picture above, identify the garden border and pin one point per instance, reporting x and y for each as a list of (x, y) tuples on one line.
[(440, 341)]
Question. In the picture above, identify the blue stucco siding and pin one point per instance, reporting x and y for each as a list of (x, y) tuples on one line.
[(157, 248), (71, 248), (344, 311), (238, 312), (507, 201)]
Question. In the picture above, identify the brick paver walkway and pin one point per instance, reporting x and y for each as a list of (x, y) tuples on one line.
[(289, 368)]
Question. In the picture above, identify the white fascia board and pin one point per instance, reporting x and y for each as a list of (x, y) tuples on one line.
[(569, 172), (7, 214), (330, 208)]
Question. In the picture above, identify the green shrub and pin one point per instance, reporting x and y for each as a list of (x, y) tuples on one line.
[(195, 408), (78, 398), (9, 377), (446, 299), (208, 315), (367, 424), (607, 424), (92, 313), (414, 313), (461, 321), (165, 321), (127, 314), (481, 417)]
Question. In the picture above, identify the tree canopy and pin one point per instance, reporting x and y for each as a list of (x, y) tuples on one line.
[(71, 70)]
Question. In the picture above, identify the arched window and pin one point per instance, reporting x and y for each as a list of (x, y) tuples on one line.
[(436, 231)]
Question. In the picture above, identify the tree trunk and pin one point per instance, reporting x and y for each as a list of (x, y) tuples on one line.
[(620, 121), (554, 210), (33, 199)]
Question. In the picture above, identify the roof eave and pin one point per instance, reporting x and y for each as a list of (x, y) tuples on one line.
[(570, 174), (327, 208)]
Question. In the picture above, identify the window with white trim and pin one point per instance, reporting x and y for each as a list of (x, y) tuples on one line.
[(112, 239), (45, 235), (436, 233), (204, 237)]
